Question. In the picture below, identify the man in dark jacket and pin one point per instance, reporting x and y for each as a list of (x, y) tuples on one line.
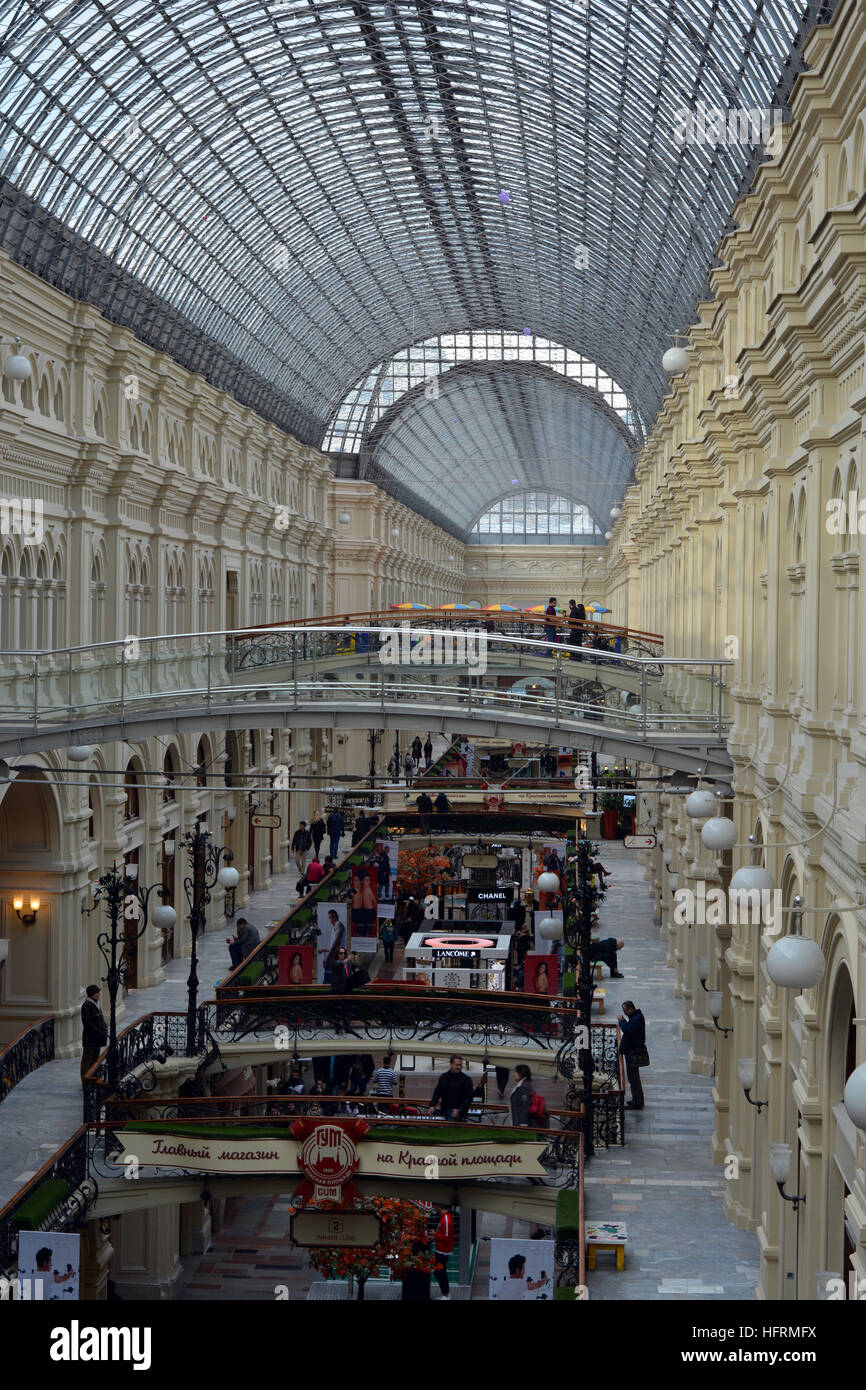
[(302, 843), (454, 1090), (336, 826), (425, 811), (633, 1028), (94, 1033), (443, 806), (362, 825), (245, 942)]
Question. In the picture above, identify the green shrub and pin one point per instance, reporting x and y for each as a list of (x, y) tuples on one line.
[(567, 1214), (33, 1212)]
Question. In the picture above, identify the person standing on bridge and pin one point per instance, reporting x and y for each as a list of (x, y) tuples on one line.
[(94, 1032), (454, 1090), (576, 620), (425, 811), (428, 751), (633, 1050), (550, 626), (302, 843), (336, 826)]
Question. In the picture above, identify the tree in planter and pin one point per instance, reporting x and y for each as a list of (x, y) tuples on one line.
[(419, 869), (404, 1225)]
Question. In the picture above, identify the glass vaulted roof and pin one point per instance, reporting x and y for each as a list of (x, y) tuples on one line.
[(312, 185)]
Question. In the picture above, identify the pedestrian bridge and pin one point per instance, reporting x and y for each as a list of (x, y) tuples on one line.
[(442, 674)]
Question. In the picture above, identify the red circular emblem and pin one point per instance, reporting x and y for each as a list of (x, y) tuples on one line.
[(328, 1156)]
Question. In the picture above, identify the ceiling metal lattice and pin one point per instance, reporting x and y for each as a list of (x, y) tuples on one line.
[(283, 193)]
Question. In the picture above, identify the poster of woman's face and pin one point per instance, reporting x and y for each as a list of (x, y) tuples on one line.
[(49, 1259), (332, 921), (295, 966), (365, 880), (544, 947), (540, 974)]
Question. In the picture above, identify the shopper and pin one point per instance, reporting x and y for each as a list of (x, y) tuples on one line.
[(385, 1079), (315, 870), (302, 842), (94, 1032), (336, 826), (317, 831), (247, 938), (550, 626), (408, 768), (428, 751), (360, 973), (388, 937), (443, 806), (633, 1048), (416, 749), (444, 1246), (362, 825), (605, 951), (453, 1093), (520, 1098), (425, 811), (576, 620)]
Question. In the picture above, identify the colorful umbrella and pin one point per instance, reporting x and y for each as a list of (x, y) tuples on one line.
[(455, 605), (541, 608), (597, 608), (411, 605), (499, 608)]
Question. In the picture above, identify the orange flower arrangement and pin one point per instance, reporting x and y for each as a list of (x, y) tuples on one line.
[(419, 869), (403, 1227)]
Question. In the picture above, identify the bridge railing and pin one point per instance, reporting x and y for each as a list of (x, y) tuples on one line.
[(446, 666), (31, 1048)]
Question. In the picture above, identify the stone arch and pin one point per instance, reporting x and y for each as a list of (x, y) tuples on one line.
[(30, 853)]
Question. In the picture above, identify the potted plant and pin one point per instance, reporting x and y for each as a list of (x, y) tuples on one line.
[(609, 813)]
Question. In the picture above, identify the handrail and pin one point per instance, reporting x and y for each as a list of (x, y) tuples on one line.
[(305, 1100), (39, 1051), (412, 615)]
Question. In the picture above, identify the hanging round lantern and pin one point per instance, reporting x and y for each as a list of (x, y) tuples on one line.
[(700, 804), (719, 833), (607, 535), (752, 877), (855, 1096), (79, 752), (164, 917), (549, 882), (550, 929), (228, 877), (17, 367), (615, 512), (668, 858), (676, 360), (795, 962)]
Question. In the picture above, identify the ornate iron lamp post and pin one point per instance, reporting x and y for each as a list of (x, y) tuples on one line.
[(205, 860), (577, 925), (373, 737), (127, 909)]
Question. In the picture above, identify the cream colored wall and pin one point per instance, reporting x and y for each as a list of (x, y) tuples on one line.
[(722, 545), (525, 575)]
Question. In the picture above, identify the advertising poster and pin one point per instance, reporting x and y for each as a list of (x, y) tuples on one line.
[(540, 974), (542, 946), (386, 855), (521, 1271), (365, 879), (295, 965), (49, 1259), (332, 921)]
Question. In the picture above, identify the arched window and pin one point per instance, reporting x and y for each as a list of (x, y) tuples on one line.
[(43, 399), (132, 810), (169, 771), (97, 600), (539, 516), (202, 759)]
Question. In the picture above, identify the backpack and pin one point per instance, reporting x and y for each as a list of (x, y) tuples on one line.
[(538, 1109)]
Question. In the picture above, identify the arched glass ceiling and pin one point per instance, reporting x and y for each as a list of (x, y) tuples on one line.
[(535, 517), (497, 428), (369, 398), (315, 183)]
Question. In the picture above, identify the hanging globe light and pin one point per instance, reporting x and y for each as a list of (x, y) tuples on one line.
[(795, 962), (164, 917), (17, 366), (615, 512), (719, 833), (79, 752), (550, 929), (668, 858), (607, 535), (855, 1096), (676, 360), (752, 877), (700, 804), (228, 877), (549, 883)]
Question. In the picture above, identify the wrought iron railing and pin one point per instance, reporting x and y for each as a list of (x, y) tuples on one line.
[(70, 1165), (31, 1048)]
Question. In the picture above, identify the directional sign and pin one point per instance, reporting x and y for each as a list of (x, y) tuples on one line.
[(640, 841), (340, 1229), (266, 822)]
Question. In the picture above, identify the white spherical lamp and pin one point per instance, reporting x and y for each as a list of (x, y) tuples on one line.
[(676, 360), (855, 1096), (795, 962), (607, 535), (550, 929), (719, 833), (701, 804), (668, 858), (752, 877), (17, 367), (164, 917), (549, 883), (79, 752), (228, 877), (615, 512), (345, 518)]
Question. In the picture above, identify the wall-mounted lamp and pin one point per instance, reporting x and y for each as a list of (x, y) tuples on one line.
[(714, 1004), (780, 1167), (17, 366), (130, 871), (746, 1073), (703, 965), (28, 918), (168, 848), (231, 814)]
